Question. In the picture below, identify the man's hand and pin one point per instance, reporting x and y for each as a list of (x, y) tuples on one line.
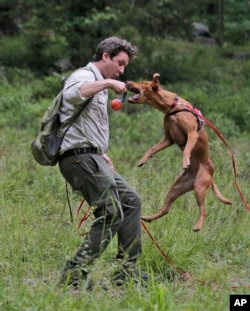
[(118, 86), (108, 160)]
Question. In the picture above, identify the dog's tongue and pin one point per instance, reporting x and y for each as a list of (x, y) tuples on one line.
[(134, 98)]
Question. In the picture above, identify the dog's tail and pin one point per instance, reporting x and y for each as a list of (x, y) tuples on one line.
[(219, 195)]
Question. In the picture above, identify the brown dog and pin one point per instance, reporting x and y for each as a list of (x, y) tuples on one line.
[(183, 127)]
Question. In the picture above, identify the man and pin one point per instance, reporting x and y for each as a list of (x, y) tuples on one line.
[(87, 168)]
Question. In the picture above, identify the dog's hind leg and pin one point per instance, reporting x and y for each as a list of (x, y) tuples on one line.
[(203, 182), (183, 184)]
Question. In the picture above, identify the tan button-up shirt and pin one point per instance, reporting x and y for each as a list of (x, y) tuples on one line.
[(91, 128)]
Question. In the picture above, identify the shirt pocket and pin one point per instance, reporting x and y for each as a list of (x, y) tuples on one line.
[(97, 108)]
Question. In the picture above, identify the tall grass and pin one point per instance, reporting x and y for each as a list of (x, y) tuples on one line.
[(36, 235)]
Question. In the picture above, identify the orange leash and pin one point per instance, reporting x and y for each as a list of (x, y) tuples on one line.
[(233, 159), (199, 115), (178, 270), (84, 217), (185, 274), (166, 257)]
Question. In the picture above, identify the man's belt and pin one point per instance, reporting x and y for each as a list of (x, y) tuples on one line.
[(76, 151)]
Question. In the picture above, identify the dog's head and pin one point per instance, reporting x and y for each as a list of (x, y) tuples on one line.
[(144, 91), (149, 93)]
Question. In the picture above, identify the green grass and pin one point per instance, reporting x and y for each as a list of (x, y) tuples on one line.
[(36, 235)]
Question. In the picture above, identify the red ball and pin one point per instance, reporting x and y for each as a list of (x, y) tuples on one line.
[(116, 104)]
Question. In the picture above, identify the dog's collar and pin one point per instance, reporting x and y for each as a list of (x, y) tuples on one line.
[(175, 101)]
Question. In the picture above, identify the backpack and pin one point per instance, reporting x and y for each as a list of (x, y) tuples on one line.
[(45, 148)]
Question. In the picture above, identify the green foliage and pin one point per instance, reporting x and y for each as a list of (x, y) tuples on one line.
[(84, 31), (16, 76), (45, 48), (47, 87), (12, 105), (33, 36), (14, 51), (219, 87), (237, 26), (175, 60)]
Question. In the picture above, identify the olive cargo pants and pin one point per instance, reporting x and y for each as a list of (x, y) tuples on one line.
[(116, 207)]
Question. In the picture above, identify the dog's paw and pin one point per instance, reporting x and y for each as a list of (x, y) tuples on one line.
[(141, 163), (146, 218), (196, 228)]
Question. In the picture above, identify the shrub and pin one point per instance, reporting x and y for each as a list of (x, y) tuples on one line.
[(13, 51)]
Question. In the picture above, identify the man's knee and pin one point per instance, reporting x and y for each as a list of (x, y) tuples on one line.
[(109, 211), (134, 201)]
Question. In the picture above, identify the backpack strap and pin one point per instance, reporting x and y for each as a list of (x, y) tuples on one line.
[(75, 115)]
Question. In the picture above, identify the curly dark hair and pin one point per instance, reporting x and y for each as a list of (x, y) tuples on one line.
[(113, 46)]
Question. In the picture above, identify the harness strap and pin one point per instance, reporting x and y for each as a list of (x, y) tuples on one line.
[(199, 120)]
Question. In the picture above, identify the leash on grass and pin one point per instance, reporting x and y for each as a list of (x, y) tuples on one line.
[(199, 115), (178, 270), (233, 160), (87, 214), (165, 256), (84, 217), (167, 259)]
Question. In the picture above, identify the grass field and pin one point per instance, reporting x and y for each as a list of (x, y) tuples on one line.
[(36, 235)]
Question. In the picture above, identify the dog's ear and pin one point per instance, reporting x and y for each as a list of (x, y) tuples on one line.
[(155, 82)]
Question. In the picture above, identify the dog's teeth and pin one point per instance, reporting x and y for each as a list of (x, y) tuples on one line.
[(136, 96)]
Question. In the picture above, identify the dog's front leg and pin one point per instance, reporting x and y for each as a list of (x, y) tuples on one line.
[(191, 141), (183, 184), (162, 144)]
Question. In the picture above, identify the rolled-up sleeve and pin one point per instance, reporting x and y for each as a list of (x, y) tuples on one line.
[(71, 91)]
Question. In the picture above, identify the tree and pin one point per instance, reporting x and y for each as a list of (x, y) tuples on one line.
[(221, 22)]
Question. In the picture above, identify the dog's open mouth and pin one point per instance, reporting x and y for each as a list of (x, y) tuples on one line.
[(136, 96), (133, 98)]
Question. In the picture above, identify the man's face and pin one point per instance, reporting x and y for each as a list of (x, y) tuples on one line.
[(114, 67)]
